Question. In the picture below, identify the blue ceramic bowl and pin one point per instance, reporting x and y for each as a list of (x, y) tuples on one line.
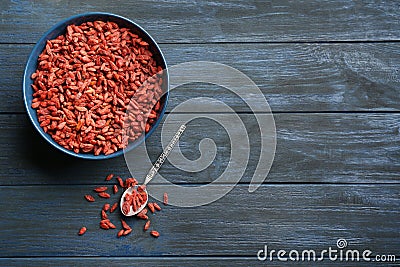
[(59, 29)]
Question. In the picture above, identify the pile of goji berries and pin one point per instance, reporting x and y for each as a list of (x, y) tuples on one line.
[(96, 88), (105, 223), (135, 200)]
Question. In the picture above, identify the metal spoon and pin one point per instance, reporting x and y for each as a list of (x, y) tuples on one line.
[(152, 172)]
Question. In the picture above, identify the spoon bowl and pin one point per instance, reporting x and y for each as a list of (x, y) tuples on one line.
[(130, 191)]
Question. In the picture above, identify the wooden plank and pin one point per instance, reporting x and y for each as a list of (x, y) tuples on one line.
[(217, 21), (43, 221), (164, 261), (317, 148), (292, 77)]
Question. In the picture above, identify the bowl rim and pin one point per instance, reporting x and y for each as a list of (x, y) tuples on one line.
[(31, 60)]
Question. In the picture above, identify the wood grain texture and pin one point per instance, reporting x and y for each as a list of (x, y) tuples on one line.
[(318, 148), (292, 77), (44, 220), (164, 261), (217, 21), (330, 72)]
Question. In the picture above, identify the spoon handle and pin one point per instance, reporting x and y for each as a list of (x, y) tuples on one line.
[(153, 171)]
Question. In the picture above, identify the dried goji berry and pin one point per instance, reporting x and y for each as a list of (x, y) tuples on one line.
[(165, 199), (120, 233), (146, 226), (104, 195), (106, 207), (114, 207), (109, 177), (156, 206), (82, 231), (155, 233), (104, 215), (151, 207), (125, 225), (100, 189), (89, 198)]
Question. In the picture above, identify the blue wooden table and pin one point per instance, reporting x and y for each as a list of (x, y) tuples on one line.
[(330, 72)]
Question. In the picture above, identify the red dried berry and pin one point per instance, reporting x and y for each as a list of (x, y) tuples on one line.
[(120, 182), (144, 211), (82, 231), (106, 207), (100, 189), (165, 199), (146, 226), (104, 225), (104, 215), (130, 182), (120, 233), (114, 207), (125, 225), (109, 177), (151, 207), (155, 233), (126, 232), (111, 225), (115, 189), (89, 198), (104, 195), (142, 216), (156, 206), (125, 208)]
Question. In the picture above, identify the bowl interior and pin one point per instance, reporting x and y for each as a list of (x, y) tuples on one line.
[(60, 29)]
